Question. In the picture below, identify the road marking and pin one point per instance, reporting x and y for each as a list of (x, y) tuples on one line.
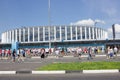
[(32, 62), (48, 72), (7, 72), (101, 71), (20, 62)]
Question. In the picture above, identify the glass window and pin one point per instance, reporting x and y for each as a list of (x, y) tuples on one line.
[(87, 32), (36, 34), (26, 34), (52, 33), (41, 33), (11, 35), (63, 32), (83, 32), (100, 33), (57, 33), (31, 34), (46, 34), (68, 33), (14, 35), (18, 35), (91, 30), (78, 32), (73, 33), (95, 33), (21, 35)]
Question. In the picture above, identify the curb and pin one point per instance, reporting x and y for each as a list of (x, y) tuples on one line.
[(104, 55), (61, 72)]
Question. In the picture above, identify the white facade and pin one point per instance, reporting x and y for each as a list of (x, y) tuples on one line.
[(57, 34)]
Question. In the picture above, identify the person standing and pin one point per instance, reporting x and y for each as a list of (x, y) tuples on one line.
[(9, 54), (57, 52), (18, 55), (1, 54), (115, 51), (13, 55), (111, 52), (23, 54), (42, 53), (108, 52), (79, 52), (89, 53)]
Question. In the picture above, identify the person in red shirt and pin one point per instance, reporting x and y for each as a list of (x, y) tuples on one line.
[(4, 52), (1, 54), (9, 53)]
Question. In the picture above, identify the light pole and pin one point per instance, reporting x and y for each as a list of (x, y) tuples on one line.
[(49, 21), (95, 34)]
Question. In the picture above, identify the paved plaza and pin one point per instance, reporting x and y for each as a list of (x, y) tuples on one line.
[(35, 62)]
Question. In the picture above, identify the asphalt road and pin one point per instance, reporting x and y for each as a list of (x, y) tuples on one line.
[(115, 76), (32, 64)]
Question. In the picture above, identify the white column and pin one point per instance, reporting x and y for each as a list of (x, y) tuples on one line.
[(81, 32), (23, 34), (38, 34), (3, 37), (16, 35), (54, 33), (85, 33), (93, 33), (96, 34), (104, 34), (60, 34), (28, 34), (10, 37), (76, 33), (65, 32), (89, 33), (33, 35), (43, 33), (7, 36), (19, 35), (71, 31), (100, 33)]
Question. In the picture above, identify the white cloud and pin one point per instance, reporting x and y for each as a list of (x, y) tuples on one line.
[(84, 22), (88, 22), (100, 21), (117, 31), (110, 11), (117, 28)]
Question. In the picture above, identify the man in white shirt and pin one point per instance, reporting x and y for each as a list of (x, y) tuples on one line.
[(115, 51)]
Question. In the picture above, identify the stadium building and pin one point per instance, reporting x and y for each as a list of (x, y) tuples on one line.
[(59, 36)]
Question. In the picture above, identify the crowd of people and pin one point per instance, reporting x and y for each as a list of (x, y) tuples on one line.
[(21, 54), (112, 52)]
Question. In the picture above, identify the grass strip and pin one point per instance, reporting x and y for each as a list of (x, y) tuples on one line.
[(81, 66)]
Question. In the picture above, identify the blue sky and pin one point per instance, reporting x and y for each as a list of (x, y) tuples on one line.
[(19, 13)]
